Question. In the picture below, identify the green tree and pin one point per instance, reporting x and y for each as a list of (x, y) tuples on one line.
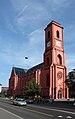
[(32, 88), (4, 93), (70, 82)]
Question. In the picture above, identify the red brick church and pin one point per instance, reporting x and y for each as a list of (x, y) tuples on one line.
[(51, 73)]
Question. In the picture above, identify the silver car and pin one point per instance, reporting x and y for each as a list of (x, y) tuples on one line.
[(19, 101)]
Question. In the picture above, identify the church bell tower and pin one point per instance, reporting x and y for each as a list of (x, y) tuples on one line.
[(54, 61)]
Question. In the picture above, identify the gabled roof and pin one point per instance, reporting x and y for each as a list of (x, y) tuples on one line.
[(20, 71), (35, 68)]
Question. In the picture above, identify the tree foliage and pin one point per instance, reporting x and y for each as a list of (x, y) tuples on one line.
[(32, 88), (70, 80)]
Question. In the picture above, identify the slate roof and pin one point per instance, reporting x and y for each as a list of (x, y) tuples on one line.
[(33, 69), (22, 72)]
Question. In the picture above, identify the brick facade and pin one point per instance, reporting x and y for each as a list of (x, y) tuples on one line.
[(50, 74)]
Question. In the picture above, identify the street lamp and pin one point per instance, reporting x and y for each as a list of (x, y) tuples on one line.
[(26, 57)]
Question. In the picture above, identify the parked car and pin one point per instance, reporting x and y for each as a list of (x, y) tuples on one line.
[(19, 101), (74, 102), (48, 100), (30, 100)]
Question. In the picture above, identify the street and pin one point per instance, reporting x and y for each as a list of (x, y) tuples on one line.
[(6, 114), (35, 111)]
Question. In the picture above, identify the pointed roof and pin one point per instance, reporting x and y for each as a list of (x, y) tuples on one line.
[(20, 71), (35, 68)]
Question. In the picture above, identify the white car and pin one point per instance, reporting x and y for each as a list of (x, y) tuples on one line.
[(19, 101)]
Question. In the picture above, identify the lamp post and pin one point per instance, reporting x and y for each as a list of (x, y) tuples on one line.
[(26, 57)]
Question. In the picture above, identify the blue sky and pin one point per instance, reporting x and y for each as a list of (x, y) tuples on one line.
[(22, 24)]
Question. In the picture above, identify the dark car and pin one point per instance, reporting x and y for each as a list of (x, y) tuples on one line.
[(30, 101), (48, 100)]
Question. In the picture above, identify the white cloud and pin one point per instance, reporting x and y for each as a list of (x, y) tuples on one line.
[(70, 33), (62, 4), (21, 12), (36, 37), (33, 48), (31, 13), (18, 4), (10, 26), (70, 61)]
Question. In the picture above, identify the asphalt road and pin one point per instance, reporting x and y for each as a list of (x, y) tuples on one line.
[(35, 111)]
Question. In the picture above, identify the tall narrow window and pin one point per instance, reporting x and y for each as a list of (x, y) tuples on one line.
[(59, 60), (47, 60), (57, 33), (48, 34)]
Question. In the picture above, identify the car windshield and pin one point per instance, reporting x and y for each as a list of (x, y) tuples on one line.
[(19, 99)]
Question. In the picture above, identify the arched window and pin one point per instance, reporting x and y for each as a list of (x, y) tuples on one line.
[(60, 93), (57, 34), (59, 60)]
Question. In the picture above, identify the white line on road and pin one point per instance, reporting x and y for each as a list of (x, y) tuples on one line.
[(60, 116), (57, 110), (34, 111), (68, 117), (11, 113)]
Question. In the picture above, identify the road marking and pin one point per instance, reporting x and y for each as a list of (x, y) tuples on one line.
[(57, 110), (60, 116), (11, 113), (68, 117), (36, 112)]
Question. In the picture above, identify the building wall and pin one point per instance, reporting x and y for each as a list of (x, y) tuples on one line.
[(18, 83), (54, 61), (51, 76)]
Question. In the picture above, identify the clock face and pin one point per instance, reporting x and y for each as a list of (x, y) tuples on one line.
[(58, 43), (48, 43)]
